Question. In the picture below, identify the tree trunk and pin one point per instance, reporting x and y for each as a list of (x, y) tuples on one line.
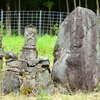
[(19, 25), (80, 3), (67, 4), (74, 4), (98, 11), (85, 3), (8, 19), (59, 5), (97, 3), (15, 5)]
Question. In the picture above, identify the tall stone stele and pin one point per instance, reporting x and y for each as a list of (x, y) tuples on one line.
[(76, 52), (29, 51)]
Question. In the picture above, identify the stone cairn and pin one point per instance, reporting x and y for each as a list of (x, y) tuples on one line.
[(28, 74)]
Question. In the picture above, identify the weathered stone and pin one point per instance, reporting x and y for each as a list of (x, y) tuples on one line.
[(29, 77), (28, 54), (26, 88), (17, 64), (10, 82), (30, 69), (30, 35), (33, 70), (13, 69), (37, 68), (50, 89), (42, 79), (29, 72), (29, 51), (10, 54), (44, 61), (1, 60), (76, 53), (1, 52), (33, 62)]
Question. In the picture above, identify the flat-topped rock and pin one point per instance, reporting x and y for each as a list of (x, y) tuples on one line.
[(10, 54), (28, 54)]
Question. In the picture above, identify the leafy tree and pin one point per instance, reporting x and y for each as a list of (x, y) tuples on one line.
[(49, 4)]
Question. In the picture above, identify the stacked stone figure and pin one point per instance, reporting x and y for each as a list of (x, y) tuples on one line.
[(29, 73), (29, 51)]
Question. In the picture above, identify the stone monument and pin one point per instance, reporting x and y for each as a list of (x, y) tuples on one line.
[(29, 51), (76, 52), (28, 74)]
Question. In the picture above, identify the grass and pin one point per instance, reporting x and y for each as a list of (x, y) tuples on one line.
[(57, 96), (45, 47), (13, 43)]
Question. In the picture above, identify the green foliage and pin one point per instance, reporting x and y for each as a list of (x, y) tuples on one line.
[(45, 45), (49, 4), (13, 43), (2, 30), (55, 28), (31, 4), (43, 96)]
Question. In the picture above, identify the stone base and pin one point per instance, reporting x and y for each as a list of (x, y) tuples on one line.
[(28, 54)]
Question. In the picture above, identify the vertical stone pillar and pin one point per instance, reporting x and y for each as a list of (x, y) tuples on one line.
[(29, 51), (1, 60)]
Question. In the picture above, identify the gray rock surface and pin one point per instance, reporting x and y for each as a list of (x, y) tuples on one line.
[(10, 56), (29, 51), (28, 54), (16, 66), (10, 82), (30, 35), (33, 62), (76, 52), (1, 59)]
